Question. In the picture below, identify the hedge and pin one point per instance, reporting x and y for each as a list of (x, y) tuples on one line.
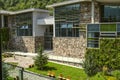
[(107, 55)]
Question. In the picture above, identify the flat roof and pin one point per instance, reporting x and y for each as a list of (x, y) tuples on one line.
[(5, 12), (77, 1), (23, 11), (108, 1)]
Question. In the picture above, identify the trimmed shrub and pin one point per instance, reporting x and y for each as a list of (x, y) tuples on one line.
[(107, 55), (41, 59)]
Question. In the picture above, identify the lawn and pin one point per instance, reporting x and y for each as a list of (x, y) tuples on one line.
[(74, 73)]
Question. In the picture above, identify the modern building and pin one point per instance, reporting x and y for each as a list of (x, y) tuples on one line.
[(28, 28), (79, 24)]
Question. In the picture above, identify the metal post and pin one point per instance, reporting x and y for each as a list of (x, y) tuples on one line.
[(0, 57), (21, 73)]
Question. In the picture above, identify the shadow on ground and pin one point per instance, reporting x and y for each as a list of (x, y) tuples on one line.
[(48, 68)]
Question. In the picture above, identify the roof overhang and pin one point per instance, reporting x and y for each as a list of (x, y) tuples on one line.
[(5, 12), (30, 10), (108, 1), (77, 1), (46, 21), (23, 11)]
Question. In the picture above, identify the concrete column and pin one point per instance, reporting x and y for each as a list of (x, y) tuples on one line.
[(2, 19), (92, 12), (54, 23), (34, 25)]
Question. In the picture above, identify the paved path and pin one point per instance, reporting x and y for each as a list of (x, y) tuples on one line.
[(26, 59), (21, 60)]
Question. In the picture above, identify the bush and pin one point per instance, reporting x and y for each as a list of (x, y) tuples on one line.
[(107, 55), (41, 59), (116, 74), (91, 65), (5, 72)]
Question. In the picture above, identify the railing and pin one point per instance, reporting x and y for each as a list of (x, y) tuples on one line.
[(18, 73)]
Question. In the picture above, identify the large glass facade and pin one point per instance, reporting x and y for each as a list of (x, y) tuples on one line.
[(110, 13), (22, 23), (67, 20)]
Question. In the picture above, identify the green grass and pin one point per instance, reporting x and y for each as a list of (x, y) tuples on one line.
[(74, 73), (10, 78)]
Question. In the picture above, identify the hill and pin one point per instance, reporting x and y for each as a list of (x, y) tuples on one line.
[(13, 5)]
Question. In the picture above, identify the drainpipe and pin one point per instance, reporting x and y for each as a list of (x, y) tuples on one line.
[(92, 11)]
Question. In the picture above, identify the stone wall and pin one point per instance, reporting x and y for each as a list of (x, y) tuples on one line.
[(39, 40), (85, 12), (97, 12), (70, 46), (25, 43)]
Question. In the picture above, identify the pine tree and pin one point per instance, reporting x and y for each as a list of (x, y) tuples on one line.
[(41, 59)]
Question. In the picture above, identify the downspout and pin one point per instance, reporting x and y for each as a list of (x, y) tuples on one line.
[(92, 11)]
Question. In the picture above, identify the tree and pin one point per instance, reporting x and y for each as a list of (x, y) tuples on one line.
[(41, 59), (15, 5)]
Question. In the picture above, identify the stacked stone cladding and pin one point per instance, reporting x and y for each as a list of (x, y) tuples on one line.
[(25, 43), (69, 46)]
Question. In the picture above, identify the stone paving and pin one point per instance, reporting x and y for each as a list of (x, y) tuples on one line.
[(26, 59), (21, 60)]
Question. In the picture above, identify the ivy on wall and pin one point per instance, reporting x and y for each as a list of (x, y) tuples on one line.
[(107, 55)]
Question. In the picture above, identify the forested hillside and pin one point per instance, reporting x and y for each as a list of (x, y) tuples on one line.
[(14, 5)]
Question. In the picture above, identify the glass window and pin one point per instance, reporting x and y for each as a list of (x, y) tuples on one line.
[(93, 35), (23, 24), (110, 13), (93, 27), (118, 27), (67, 18)]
